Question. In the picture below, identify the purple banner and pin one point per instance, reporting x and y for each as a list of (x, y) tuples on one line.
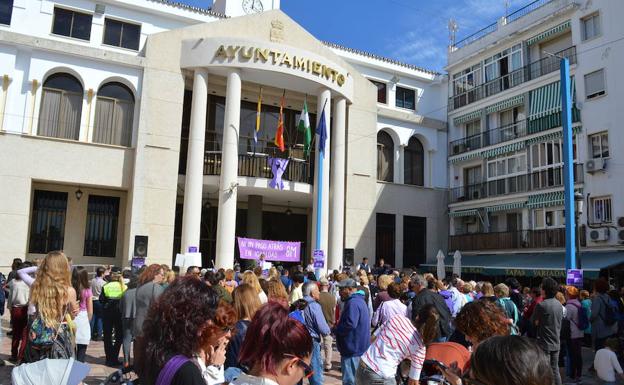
[(273, 250)]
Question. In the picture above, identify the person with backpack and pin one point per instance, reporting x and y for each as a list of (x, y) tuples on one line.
[(577, 316), (55, 304), (508, 306), (603, 320)]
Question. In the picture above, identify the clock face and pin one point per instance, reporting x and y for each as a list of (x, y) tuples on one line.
[(252, 6)]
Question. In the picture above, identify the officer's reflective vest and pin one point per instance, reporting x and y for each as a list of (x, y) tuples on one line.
[(113, 290)]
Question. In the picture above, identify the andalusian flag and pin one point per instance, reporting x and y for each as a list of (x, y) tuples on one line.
[(304, 126), (258, 114), (279, 134)]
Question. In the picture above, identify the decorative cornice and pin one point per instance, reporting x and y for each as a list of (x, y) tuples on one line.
[(203, 11), (380, 58)]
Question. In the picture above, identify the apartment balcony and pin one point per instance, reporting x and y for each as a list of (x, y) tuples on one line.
[(506, 27), (537, 180), (513, 79), (521, 239), (509, 132)]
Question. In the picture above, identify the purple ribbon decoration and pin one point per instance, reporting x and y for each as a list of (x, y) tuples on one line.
[(278, 167)]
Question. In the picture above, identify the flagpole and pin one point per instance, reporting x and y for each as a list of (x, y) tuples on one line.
[(319, 193)]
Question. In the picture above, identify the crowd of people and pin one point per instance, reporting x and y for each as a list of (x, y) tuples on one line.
[(274, 325)]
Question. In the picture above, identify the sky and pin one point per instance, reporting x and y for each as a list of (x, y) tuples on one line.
[(411, 31)]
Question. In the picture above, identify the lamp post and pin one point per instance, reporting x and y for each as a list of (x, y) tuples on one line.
[(578, 211)]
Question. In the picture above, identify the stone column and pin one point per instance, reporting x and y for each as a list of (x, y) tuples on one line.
[(191, 214), (324, 99), (337, 189), (228, 182)]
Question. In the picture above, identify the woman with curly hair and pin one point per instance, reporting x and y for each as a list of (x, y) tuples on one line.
[(54, 301), (478, 321), (277, 292), (277, 349), (185, 328)]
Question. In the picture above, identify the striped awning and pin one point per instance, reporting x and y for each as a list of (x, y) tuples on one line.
[(502, 149), (546, 100), (466, 156), (552, 136), (505, 207), (555, 198), (549, 33), (463, 213), (474, 115), (505, 104)]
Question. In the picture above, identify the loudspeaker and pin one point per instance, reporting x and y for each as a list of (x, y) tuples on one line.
[(347, 257), (140, 246)]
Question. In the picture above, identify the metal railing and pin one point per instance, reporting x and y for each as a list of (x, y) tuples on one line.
[(494, 26), (521, 239), (537, 180), (502, 83), (489, 138), (257, 165)]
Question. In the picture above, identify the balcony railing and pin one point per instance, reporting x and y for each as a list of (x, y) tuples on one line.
[(257, 165), (502, 83), (494, 26), (537, 180), (522, 239), (488, 138), (509, 132)]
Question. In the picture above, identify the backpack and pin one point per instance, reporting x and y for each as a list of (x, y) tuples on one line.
[(46, 342), (609, 317), (583, 319), (511, 310)]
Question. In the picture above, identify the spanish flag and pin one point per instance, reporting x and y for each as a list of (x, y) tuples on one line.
[(258, 114), (279, 134)]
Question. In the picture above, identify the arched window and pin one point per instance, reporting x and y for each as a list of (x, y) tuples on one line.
[(414, 163), (61, 107), (113, 115), (385, 157)]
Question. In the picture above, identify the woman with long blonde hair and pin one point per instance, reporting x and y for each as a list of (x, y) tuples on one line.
[(54, 300), (277, 292), (251, 279)]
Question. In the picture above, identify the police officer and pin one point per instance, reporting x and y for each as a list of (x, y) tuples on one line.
[(110, 298)]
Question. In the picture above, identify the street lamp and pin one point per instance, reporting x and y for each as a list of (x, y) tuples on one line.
[(578, 211)]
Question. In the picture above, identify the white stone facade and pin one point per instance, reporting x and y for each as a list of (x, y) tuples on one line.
[(140, 178)]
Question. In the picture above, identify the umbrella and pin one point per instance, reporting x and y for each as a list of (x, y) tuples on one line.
[(457, 263), (441, 268), (50, 372)]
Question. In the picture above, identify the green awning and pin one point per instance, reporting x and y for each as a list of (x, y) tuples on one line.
[(552, 135), (555, 198), (549, 33), (463, 213), (546, 100), (528, 264), (502, 149), (505, 207), (474, 115), (466, 156), (505, 104)]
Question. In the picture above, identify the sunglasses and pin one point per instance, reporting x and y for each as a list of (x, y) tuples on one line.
[(227, 329), (307, 369)]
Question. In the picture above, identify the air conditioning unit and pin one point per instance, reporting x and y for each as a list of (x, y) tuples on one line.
[(594, 165), (599, 235)]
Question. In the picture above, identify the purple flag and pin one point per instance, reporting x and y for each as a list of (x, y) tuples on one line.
[(278, 167)]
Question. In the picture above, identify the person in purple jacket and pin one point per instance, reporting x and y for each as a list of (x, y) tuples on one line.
[(353, 329)]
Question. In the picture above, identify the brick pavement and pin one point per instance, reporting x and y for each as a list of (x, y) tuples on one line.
[(95, 358)]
